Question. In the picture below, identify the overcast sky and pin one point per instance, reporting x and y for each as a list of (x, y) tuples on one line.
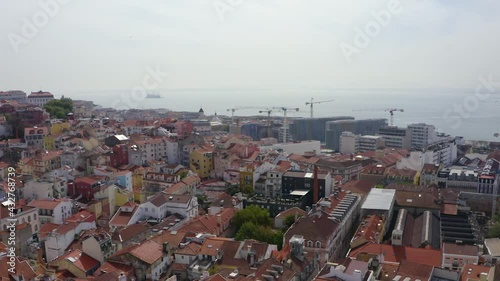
[(273, 44)]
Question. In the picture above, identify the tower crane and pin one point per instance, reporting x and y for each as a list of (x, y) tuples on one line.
[(285, 123), (269, 121), (312, 102), (390, 110), (242, 107)]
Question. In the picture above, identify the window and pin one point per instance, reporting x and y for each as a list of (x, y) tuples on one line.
[(318, 244), (309, 244)]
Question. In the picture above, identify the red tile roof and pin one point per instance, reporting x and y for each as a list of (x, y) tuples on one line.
[(359, 186), (460, 249), (191, 249), (81, 260), (129, 232), (292, 212), (89, 180), (414, 270), (149, 252), (368, 232), (212, 246), (396, 254), (473, 272), (46, 204), (110, 266), (122, 218), (316, 227)]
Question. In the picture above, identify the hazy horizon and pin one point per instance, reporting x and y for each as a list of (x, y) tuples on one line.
[(275, 44)]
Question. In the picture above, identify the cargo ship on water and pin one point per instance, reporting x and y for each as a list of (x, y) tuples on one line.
[(153, 96)]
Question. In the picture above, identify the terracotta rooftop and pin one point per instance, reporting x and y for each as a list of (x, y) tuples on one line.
[(473, 272), (316, 227), (81, 260), (36, 130), (359, 186), (173, 238), (46, 204), (149, 252), (40, 94), (414, 270), (460, 249), (130, 231), (122, 218), (368, 232), (291, 212), (22, 267), (191, 249), (396, 254), (212, 246)]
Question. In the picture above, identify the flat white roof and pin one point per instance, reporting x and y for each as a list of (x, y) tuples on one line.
[(493, 246), (379, 199), (371, 137), (299, 192), (121, 137)]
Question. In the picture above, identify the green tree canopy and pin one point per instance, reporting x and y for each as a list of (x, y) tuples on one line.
[(253, 214), (59, 108), (289, 220), (250, 230)]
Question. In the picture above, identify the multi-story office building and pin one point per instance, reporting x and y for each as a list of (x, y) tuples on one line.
[(421, 134), (396, 137), (351, 143), (312, 128), (255, 130), (334, 129)]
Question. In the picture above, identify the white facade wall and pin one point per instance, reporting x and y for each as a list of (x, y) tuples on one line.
[(172, 152), (30, 216), (349, 143)]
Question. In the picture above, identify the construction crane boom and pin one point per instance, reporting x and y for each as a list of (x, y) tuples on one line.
[(285, 123), (243, 107), (269, 121), (390, 110), (312, 102)]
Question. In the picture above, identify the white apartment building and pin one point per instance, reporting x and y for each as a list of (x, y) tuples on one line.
[(40, 98), (441, 152), (34, 136), (423, 135), (25, 214), (369, 143), (44, 189), (162, 204), (396, 137), (52, 210), (351, 143), (13, 95), (158, 149), (59, 238)]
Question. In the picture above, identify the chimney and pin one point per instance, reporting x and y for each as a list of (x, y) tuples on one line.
[(165, 248), (219, 219), (250, 255), (483, 276), (122, 277), (357, 275), (315, 188)]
